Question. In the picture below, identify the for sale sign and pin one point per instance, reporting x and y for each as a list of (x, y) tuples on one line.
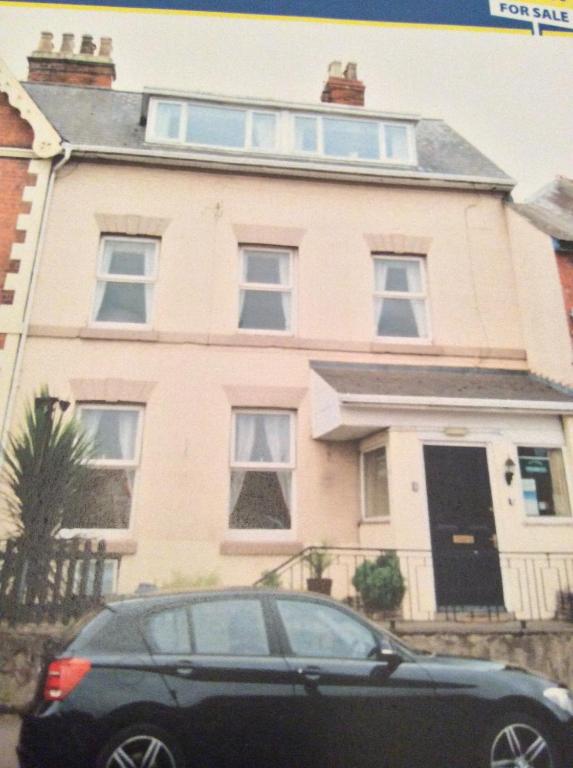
[(539, 13)]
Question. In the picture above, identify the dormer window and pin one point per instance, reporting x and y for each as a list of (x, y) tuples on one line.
[(353, 139), (286, 131), (207, 125)]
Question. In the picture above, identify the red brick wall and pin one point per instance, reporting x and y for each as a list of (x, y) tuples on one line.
[(14, 132), (565, 266), (85, 73), (14, 177), (339, 90)]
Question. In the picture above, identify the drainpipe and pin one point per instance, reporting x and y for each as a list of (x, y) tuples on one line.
[(14, 383)]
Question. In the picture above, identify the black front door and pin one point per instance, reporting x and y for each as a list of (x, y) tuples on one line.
[(464, 547)]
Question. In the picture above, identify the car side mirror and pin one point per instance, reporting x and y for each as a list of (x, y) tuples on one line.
[(391, 658)]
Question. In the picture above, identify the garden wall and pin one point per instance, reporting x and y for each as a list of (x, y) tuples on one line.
[(548, 649)]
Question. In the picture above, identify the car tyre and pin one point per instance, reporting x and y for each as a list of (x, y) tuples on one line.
[(517, 740), (141, 746)]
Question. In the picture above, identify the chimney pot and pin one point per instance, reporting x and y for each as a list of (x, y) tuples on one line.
[(351, 71), (88, 46), (67, 46), (335, 69), (82, 69), (105, 47), (46, 44)]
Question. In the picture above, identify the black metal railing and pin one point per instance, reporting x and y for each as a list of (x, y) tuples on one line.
[(500, 586), (57, 581)]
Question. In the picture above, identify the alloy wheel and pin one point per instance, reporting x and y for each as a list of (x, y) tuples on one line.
[(519, 745), (141, 752)]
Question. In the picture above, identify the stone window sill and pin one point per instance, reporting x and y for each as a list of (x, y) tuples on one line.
[(260, 547)]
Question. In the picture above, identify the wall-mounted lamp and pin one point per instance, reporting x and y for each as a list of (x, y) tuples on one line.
[(49, 403), (509, 471)]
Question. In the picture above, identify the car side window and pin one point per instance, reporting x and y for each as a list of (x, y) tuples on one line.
[(319, 630), (229, 627), (168, 631)]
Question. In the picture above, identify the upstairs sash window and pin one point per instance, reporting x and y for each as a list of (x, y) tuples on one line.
[(265, 292), (126, 275), (400, 299)]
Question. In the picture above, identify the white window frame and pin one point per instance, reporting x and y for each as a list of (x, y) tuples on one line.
[(421, 295), (263, 534), (547, 520), (382, 157), (268, 287), (133, 464), (285, 132), (367, 445), (105, 277), (110, 561), (151, 135)]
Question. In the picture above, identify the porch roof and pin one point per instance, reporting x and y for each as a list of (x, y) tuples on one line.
[(341, 388)]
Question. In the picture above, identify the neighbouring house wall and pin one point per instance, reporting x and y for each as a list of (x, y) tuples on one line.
[(24, 188), (565, 267), (545, 325), (27, 141)]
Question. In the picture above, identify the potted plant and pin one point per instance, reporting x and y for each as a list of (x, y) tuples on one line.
[(318, 560), (380, 583)]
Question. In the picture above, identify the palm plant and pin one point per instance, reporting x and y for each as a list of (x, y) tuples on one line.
[(44, 479), (45, 472)]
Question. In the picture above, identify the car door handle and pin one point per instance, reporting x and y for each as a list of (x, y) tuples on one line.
[(310, 676), (185, 668)]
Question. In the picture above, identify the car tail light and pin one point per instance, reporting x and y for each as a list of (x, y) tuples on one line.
[(63, 676)]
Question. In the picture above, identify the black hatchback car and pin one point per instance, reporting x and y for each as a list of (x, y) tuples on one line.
[(255, 679)]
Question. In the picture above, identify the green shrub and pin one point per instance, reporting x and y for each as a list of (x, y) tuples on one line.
[(180, 581), (380, 583), (270, 579)]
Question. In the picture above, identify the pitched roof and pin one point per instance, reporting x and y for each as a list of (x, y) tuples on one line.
[(440, 382), (107, 118), (551, 210)]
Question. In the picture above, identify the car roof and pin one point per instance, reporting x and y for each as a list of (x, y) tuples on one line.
[(131, 603)]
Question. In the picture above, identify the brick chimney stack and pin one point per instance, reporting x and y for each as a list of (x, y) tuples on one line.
[(85, 68), (343, 87)]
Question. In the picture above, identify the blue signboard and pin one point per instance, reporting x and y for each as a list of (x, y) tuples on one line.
[(525, 16)]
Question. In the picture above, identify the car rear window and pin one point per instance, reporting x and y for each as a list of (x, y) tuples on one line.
[(168, 631), (111, 633)]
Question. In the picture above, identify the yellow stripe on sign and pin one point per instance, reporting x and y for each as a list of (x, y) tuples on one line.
[(258, 17), (564, 5)]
